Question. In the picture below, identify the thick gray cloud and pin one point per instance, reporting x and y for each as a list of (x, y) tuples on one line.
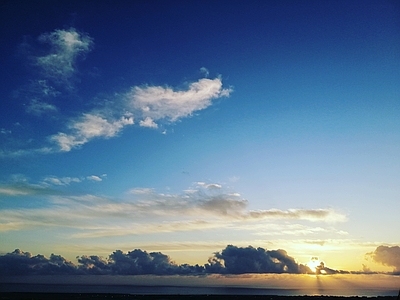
[(239, 260), (231, 260), (23, 263), (388, 256)]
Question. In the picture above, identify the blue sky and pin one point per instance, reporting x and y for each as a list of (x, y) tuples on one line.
[(183, 127)]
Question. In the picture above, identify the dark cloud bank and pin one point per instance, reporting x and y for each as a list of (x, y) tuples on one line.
[(231, 260)]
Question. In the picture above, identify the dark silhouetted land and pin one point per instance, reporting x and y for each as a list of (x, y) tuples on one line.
[(84, 296)]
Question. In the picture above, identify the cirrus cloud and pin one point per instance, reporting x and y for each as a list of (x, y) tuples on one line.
[(146, 211), (65, 48)]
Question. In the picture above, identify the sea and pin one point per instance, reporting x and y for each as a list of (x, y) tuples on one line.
[(184, 290)]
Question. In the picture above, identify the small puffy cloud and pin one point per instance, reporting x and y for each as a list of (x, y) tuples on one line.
[(148, 122), (94, 178), (65, 48), (90, 126), (157, 103), (388, 256), (210, 186)]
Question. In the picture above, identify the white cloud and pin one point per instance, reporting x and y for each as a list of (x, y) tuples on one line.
[(141, 191), (94, 178), (216, 202), (67, 142), (147, 211), (156, 102), (13, 191), (149, 103), (91, 126), (326, 215), (61, 181), (148, 122), (66, 47), (214, 186), (88, 127), (22, 188)]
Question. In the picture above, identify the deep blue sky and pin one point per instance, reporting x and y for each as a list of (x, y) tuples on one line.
[(297, 112)]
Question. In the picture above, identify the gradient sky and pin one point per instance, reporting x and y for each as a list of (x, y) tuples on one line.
[(185, 126)]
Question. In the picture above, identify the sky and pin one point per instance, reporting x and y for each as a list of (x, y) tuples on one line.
[(201, 131)]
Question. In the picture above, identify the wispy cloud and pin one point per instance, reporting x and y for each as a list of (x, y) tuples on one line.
[(38, 107), (145, 211), (21, 186), (16, 189), (65, 48), (61, 181), (214, 200), (204, 71), (5, 131), (25, 152), (271, 229), (326, 215)]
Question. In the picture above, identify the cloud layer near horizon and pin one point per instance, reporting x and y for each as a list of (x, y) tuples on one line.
[(231, 260), (204, 206)]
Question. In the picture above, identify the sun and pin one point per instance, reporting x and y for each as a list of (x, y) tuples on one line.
[(313, 264)]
